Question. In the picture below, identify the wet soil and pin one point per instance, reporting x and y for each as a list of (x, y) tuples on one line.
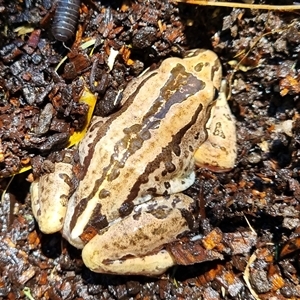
[(246, 245)]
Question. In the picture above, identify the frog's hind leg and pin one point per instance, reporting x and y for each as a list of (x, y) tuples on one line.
[(134, 245), (218, 152)]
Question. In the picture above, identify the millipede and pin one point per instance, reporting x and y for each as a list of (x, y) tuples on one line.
[(65, 19)]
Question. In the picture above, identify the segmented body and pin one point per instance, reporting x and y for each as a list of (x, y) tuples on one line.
[(65, 19)]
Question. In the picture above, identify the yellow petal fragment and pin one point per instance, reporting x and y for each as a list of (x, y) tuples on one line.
[(90, 99)]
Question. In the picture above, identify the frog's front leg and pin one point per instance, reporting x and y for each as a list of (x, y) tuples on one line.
[(48, 205), (135, 244)]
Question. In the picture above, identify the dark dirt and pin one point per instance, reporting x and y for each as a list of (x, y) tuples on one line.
[(247, 244)]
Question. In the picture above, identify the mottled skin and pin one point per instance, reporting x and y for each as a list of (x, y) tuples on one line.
[(135, 164)]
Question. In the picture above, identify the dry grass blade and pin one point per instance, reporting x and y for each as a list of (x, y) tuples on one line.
[(246, 276), (6, 188), (240, 5)]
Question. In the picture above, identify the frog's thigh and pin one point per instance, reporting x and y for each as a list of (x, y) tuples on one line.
[(133, 245), (218, 152)]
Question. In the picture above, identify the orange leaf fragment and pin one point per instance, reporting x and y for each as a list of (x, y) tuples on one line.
[(291, 246), (289, 84), (213, 239)]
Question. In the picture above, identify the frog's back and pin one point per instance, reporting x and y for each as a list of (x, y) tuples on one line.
[(146, 148)]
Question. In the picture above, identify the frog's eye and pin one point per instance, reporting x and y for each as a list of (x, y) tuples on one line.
[(216, 94)]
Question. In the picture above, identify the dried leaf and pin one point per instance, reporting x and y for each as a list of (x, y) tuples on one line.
[(188, 253)]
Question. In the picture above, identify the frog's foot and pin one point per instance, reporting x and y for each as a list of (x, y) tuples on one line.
[(134, 244), (218, 152)]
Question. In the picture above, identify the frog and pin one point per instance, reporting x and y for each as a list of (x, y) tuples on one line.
[(128, 203)]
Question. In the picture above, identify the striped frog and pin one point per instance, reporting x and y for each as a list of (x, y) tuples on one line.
[(128, 203)]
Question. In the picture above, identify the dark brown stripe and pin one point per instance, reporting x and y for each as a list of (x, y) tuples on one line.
[(81, 206), (165, 156), (103, 129), (180, 85)]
